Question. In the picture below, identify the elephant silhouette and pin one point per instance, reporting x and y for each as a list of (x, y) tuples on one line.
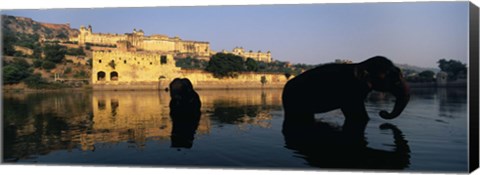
[(325, 146), (343, 86), (185, 112)]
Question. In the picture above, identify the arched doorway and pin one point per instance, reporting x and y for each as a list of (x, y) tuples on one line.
[(113, 76), (101, 76)]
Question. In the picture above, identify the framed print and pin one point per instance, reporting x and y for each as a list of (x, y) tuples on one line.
[(388, 87)]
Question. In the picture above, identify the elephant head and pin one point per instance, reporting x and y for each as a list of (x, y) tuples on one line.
[(382, 75), (181, 89)]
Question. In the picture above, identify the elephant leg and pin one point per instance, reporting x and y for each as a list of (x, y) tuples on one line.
[(296, 123), (355, 111), (356, 119)]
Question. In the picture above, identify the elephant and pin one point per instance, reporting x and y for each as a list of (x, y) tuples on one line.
[(345, 87), (185, 112)]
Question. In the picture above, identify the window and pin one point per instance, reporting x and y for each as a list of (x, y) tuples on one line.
[(101, 76), (124, 61), (163, 59), (113, 76), (99, 61)]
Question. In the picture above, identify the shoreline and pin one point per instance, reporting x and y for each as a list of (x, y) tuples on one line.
[(92, 89)]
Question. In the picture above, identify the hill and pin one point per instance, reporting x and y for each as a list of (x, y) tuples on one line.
[(30, 27)]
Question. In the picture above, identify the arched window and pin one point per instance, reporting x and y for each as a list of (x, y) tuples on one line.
[(101, 76), (113, 76)]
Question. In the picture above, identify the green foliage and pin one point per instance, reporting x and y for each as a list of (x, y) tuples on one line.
[(89, 62), (453, 68), (251, 65), (263, 80), (424, 76), (37, 63), (9, 40), (76, 51), (16, 71), (54, 52), (61, 35), (225, 65), (67, 70), (427, 75), (48, 65), (81, 74), (288, 75), (191, 63), (36, 81)]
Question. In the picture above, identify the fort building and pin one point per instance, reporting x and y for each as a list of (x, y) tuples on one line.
[(257, 56), (126, 70), (138, 41), (121, 67), (175, 46)]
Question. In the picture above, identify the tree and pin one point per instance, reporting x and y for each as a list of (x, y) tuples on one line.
[(37, 63), (9, 40), (76, 51), (453, 68), (54, 52), (427, 75), (48, 65), (263, 80), (225, 65), (191, 63), (16, 71), (36, 81), (251, 65)]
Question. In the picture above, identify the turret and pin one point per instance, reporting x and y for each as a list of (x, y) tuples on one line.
[(89, 28)]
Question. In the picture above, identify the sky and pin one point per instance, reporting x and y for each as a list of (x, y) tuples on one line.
[(415, 33)]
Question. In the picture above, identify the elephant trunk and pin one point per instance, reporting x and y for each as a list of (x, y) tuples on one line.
[(402, 93)]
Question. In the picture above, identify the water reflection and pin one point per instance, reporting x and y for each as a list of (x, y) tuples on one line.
[(324, 145), (240, 128), (36, 124)]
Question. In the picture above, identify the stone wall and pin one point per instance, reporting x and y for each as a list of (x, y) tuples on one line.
[(123, 68), (203, 80)]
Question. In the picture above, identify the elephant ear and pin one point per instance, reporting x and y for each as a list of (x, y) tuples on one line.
[(360, 73)]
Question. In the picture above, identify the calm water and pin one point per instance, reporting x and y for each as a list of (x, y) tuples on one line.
[(239, 129)]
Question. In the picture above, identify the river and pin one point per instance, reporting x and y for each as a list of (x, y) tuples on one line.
[(237, 129)]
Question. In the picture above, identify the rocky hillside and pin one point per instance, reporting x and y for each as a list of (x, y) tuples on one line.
[(30, 27)]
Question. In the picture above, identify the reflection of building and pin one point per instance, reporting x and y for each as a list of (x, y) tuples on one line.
[(139, 42), (132, 117), (442, 78), (257, 56)]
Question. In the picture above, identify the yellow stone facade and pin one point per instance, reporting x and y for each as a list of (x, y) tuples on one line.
[(120, 67), (116, 70), (139, 42)]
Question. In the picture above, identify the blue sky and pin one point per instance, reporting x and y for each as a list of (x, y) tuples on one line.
[(413, 33)]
